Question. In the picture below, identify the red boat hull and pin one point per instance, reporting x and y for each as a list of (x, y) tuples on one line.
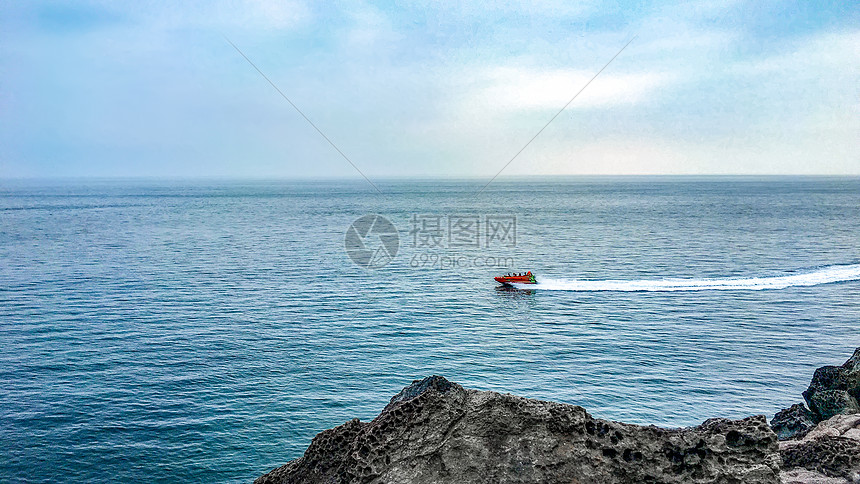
[(509, 280)]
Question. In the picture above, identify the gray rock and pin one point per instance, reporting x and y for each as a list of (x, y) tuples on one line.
[(828, 403), (804, 476), (793, 422), (831, 456), (842, 425), (831, 449), (835, 389), (435, 431)]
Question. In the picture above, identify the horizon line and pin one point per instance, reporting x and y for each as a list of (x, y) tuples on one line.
[(244, 178)]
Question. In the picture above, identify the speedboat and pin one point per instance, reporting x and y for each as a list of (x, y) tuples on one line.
[(520, 278)]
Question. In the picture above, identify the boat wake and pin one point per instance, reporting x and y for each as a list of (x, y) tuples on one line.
[(825, 275)]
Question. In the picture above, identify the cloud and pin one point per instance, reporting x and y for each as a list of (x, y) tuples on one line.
[(427, 88), (515, 88), (812, 86), (260, 16), (278, 14), (822, 54), (368, 27), (482, 10)]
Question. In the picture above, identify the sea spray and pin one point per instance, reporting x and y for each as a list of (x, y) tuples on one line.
[(824, 275)]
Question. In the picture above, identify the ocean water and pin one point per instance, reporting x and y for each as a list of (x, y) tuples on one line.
[(206, 331)]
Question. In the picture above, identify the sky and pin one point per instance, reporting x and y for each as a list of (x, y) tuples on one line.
[(428, 89)]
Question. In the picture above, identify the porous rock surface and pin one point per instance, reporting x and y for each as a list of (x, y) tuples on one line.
[(436, 431), (830, 453), (834, 390)]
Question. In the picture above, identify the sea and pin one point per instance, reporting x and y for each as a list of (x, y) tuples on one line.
[(207, 330)]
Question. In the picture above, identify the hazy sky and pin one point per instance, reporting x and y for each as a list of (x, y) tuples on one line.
[(428, 88)]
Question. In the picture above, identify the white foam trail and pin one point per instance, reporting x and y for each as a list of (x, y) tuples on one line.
[(824, 275)]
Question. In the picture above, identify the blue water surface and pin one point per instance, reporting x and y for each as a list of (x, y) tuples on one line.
[(205, 331)]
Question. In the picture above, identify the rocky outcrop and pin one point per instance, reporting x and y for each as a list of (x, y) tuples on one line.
[(436, 431), (821, 445), (793, 422), (830, 453), (834, 390)]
